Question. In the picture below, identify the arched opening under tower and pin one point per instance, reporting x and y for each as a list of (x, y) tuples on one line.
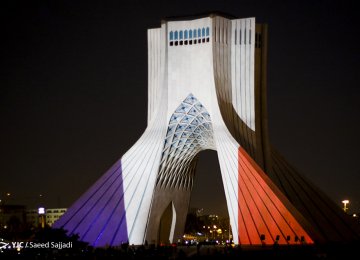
[(208, 217), (208, 190)]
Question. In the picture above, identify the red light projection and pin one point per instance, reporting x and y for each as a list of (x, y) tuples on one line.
[(263, 218)]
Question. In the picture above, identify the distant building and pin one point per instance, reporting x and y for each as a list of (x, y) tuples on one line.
[(12, 214), (54, 214), (213, 217), (32, 217), (51, 215), (196, 211)]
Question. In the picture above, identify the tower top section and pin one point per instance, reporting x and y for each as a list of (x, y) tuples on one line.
[(198, 16), (186, 54)]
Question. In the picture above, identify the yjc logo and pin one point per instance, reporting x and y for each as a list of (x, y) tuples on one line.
[(3, 245)]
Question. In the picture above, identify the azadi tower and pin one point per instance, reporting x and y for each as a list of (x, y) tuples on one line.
[(206, 90)]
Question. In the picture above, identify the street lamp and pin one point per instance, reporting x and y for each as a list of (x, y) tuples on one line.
[(345, 202)]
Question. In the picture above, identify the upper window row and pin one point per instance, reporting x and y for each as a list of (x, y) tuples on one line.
[(189, 34)]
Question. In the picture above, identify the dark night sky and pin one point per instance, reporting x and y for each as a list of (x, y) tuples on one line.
[(73, 94)]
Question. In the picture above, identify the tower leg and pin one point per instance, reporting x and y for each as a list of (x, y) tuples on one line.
[(259, 212), (115, 209)]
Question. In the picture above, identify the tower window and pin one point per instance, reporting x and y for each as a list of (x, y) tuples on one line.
[(190, 34), (181, 37), (207, 31), (199, 32), (203, 32), (185, 34), (194, 33), (171, 35), (176, 35)]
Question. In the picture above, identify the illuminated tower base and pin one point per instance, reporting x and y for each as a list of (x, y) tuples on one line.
[(207, 83)]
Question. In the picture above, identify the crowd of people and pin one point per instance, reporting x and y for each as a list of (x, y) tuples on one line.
[(174, 252)]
